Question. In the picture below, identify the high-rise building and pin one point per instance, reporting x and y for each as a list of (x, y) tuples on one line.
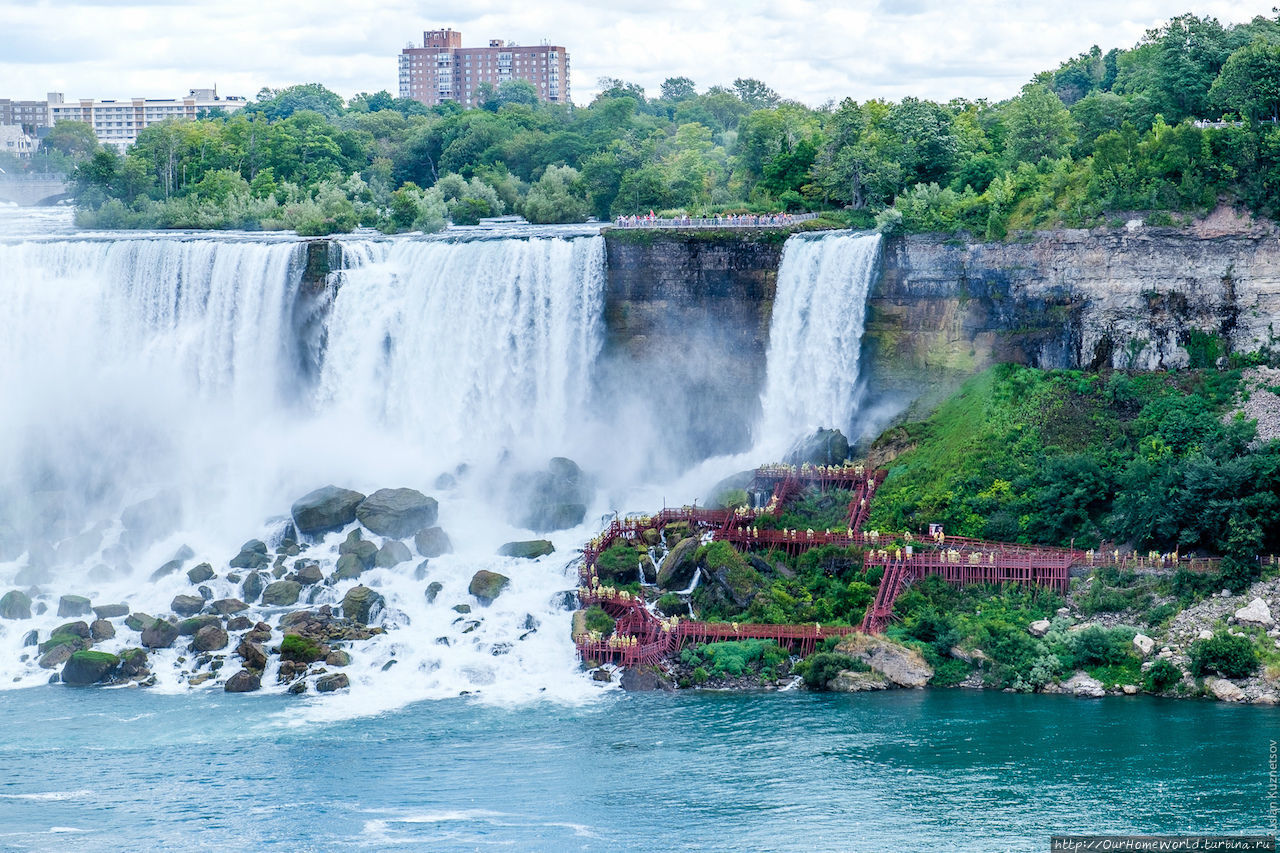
[(443, 70), (118, 122)]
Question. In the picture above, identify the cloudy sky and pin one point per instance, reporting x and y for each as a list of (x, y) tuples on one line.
[(809, 50)]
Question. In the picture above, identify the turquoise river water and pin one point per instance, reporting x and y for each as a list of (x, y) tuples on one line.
[(905, 770)]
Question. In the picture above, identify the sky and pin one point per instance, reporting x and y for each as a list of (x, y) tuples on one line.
[(811, 51)]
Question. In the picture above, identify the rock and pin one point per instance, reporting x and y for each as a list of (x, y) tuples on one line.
[(166, 570), (1225, 691), (349, 567), (159, 634), (227, 606), (651, 537), (205, 592), (147, 521), (252, 587), (101, 629), (1143, 644), (554, 499), (643, 680), (210, 638), (57, 655), (1063, 611), (529, 549), (15, 604), (111, 611), (1130, 689), (602, 674), (1256, 612), (307, 572), (433, 589), (824, 447), (462, 608), (432, 542), (557, 516), (239, 623), (361, 604), (281, 593), (133, 663), (1267, 699), (848, 681), (330, 683), (73, 629), (397, 512), (392, 553), (138, 621), (325, 509), (197, 680), (337, 657), (1085, 685), (362, 549), (676, 571), (88, 667), (252, 654), (253, 555), (486, 586), (186, 605), (74, 605), (200, 573), (31, 638), (1039, 628), (243, 681), (900, 665), (1205, 634)]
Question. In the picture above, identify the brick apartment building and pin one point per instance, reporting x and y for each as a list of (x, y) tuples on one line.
[(443, 70), (29, 115)]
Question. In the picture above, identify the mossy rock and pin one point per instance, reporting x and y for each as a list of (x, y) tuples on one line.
[(296, 647), (72, 641), (529, 549), (159, 634), (486, 586), (74, 605), (88, 667), (15, 604), (189, 627), (676, 570), (139, 621)]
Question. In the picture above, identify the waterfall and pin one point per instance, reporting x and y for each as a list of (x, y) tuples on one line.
[(477, 347), (815, 336)]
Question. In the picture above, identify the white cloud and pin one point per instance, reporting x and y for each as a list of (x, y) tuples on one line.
[(809, 50)]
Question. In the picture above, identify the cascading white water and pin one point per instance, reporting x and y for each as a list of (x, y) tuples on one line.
[(815, 337), (170, 365), (473, 347)]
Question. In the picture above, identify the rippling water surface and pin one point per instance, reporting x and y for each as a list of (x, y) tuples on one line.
[(121, 769)]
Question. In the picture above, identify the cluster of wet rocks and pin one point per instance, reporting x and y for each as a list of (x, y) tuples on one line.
[(213, 634)]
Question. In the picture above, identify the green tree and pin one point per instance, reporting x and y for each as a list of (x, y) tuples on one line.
[(558, 196), (678, 89), (1249, 82), (75, 139), (1039, 125)]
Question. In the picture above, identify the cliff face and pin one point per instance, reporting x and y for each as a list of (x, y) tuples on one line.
[(1143, 299), (687, 318)]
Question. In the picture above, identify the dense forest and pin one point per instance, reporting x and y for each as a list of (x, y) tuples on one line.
[(1173, 126)]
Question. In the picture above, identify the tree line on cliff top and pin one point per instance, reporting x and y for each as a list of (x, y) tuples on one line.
[(1174, 125)]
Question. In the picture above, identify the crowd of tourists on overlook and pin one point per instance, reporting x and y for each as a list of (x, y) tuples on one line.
[(718, 220)]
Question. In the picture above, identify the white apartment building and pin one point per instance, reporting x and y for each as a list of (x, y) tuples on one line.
[(118, 122), (14, 140)]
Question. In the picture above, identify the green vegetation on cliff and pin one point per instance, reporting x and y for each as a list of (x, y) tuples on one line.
[(1151, 459)]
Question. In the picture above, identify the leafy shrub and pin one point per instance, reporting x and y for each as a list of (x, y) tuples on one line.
[(1096, 646), (1162, 676), (734, 658), (619, 563), (597, 620), (1225, 654), (820, 668)]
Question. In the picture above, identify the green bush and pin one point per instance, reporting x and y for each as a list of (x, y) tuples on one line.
[(1162, 676), (734, 658), (1096, 646), (1225, 654), (599, 621), (619, 564), (820, 668)]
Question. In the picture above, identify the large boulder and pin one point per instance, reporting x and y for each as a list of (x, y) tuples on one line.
[(361, 549), (253, 555), (74, 605), (902, 666), (432, 542), (186, 605), (852, 681), (252, 654), (228, 606), (200, 573), (486, 586), (332, 682), (676, 570), (529, 549), (1143, 645), (101, 629), (87, 667), (824, 447), (361, 604), (1085, 685), (636, 680), (307, 572), (1039, 628), (189, 627), (111, 611), (159, 634), (243, 681), (325, 509), (732, 486), (281, 594), (392, 553), (1255, 612), (349, 567), (1225, 691), (252, 587), (210, 638), (397, 512), (554, 499), (15, 604)]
